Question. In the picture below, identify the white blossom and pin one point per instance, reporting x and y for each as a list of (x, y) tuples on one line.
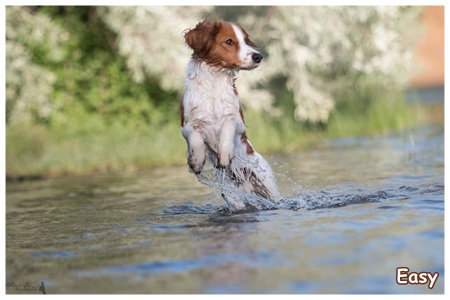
[(29, 85)]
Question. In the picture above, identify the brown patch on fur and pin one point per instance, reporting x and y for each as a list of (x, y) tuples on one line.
[(235, 90), (216, 43), (241, 113), (182, 113), (244, 140), (258, 187), (246, 37), (201, 38), (225, 50)]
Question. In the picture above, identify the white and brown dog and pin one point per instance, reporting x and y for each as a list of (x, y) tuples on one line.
[(211, 114)]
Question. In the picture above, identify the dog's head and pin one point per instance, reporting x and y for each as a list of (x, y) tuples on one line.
[(223, 45)]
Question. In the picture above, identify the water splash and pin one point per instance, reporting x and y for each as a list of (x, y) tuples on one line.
[(297, 197), (234, 197), (300, 198)]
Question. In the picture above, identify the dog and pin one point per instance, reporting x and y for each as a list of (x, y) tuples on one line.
[(212, 119)]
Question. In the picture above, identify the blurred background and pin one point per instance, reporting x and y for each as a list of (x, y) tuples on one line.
[(98, 89)]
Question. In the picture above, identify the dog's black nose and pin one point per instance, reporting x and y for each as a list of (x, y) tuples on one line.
[(257, 57)]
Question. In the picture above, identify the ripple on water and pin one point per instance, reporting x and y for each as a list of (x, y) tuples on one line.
[(308, 199)]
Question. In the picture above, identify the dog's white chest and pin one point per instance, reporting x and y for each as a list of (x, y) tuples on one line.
[(210, 96)]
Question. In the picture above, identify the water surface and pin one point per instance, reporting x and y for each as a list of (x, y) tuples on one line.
[(354, 210)]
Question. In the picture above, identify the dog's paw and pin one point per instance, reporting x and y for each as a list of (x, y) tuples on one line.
[(196, 152), (225, 159), (196, 164), (195, 169)]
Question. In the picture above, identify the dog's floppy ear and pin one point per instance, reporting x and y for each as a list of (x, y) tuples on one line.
[(201, 37)]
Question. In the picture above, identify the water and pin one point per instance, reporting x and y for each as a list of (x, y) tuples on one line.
[(354, 210)]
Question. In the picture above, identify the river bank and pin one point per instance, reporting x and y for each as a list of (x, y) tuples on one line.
[(91, 146)]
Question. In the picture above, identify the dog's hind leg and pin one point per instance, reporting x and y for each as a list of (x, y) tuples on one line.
[(256, 177)]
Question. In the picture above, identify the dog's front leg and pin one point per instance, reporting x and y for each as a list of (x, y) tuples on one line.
[(196, 148), (230, 129)]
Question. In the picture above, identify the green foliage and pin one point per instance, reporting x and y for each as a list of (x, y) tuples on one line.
[(99, 80), (87, 90), (28, 84), (98, 117), (90, 78), (323, 52)]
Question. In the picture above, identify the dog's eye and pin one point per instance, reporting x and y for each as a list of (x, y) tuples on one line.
[(229, 42)]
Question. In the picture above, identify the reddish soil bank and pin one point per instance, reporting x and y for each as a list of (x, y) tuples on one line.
[(430, 50)]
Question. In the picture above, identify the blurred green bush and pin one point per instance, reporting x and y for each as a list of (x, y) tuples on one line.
[(98, 88)]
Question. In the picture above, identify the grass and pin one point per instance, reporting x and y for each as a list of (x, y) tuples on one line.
[(287, 135), (379, 117), (39, 151), (93, 146)]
